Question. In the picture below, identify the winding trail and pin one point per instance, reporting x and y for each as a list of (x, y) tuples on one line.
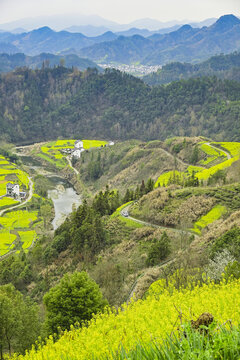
[(175, 157), (161, 266), (165, 263), (71, 166), (228, 155), (170, 261), (181, 231)]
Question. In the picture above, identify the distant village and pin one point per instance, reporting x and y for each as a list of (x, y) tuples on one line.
[(137, 70), (78, 149)]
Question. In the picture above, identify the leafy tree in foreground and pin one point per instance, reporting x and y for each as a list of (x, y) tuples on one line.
[(75, 299), (19, 322)]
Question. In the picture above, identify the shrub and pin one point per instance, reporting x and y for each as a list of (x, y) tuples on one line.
[(74, 300), (230, 240), (159, 250)]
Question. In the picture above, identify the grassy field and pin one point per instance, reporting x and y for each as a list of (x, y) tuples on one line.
[(88, 144), (7, 202), (194, 169), (206, 173), (212, 154), (18, 219), (13, 221)]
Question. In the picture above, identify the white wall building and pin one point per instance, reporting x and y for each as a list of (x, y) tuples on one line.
[(12, 189), (78, 144), (77, 153)]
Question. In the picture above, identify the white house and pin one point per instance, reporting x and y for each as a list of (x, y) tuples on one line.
[(77, 152), (12, 189), (78, 144)]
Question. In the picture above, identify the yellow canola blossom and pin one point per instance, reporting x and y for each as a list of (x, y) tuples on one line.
[(145, 320), (232, 147)]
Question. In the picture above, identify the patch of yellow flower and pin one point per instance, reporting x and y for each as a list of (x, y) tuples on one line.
[(144, 320)]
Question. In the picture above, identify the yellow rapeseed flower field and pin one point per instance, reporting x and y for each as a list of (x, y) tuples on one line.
[(144, 320)]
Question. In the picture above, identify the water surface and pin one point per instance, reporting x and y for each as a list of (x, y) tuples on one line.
[(64, 199)]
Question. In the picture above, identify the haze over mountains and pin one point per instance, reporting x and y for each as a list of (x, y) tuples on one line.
[(94, 25), (184, 44)]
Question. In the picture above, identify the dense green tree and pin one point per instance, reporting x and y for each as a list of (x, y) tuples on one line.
[(106, 202), (218, 176), (159, 250), (195, 155), (230, 240), (74, 300), (222, 66), (19, 325), (150, 185), (44, 104)]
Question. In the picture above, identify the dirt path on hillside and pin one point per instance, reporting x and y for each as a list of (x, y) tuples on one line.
[(71, 166), (159, 267), (174, 157), (181, 231), (228, 155)]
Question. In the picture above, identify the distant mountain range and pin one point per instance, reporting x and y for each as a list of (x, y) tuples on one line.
[(48, 40), (184, 44), (11, 62), (93, 25)]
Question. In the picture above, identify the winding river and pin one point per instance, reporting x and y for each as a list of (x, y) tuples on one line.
[(61, 192), (64, 199)]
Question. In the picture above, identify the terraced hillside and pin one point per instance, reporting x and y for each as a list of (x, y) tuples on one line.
[(136, 229), (17, 224), (52, 152), (218, 156)]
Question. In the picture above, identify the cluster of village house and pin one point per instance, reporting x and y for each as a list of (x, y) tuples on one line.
[(76, 152), (13, 190), (78, 149)]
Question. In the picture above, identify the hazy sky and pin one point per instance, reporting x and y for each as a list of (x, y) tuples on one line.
[(122, 11)]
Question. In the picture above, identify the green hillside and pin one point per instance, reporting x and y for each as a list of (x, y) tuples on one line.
[(221, 66), (11, 62), (50, 103), (147, 324), (151, 243)]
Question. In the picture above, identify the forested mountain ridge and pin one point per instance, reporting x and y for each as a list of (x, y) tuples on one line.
[(11, 62), (48, 103), (222, 66)]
